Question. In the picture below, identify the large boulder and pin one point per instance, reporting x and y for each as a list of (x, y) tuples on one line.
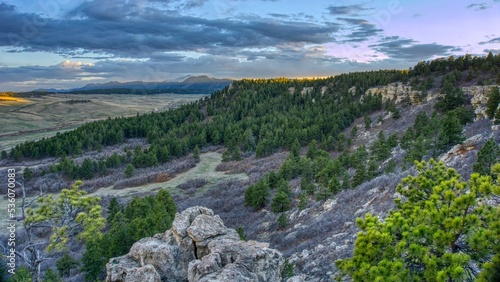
[(198, 247)]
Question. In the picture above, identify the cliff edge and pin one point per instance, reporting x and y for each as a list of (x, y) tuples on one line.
[(198, 247)]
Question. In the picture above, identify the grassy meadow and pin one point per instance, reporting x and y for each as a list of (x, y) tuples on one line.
[(205, 169), (27, 119)]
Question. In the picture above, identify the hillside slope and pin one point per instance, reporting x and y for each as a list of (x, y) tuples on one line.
[(317, 153)]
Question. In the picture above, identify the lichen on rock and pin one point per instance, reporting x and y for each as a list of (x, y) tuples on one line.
[(198, 247)]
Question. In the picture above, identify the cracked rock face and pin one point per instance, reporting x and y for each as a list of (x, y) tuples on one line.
[(198, 247)]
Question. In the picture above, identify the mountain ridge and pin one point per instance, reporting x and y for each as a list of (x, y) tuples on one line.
[(186, 82)]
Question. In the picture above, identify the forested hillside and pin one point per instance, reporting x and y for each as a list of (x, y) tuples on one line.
[(318, 152)]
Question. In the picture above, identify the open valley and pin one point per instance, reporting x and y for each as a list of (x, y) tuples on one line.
[(249, 140), (32, 118)]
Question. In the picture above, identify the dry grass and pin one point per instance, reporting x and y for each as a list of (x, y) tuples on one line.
[(10, 101), (44, 116)]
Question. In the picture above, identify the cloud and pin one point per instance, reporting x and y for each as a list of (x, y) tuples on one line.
[(493, 51), (276, 15), (125, 32), (278, 63), (161, 39), (492, 41), (407, 49), (194, 3), (359, 30), (6, 8), (479, 6), (345, 10)]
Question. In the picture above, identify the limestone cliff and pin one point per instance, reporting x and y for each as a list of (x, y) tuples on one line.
[(398, 92), (479, 99), (198, 247)]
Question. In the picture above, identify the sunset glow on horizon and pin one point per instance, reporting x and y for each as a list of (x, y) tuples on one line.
[(67, 44)]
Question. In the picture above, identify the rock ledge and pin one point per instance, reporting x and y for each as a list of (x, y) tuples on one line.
[(198, 247)]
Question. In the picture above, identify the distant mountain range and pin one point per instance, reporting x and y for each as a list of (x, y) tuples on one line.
[(183, 85)]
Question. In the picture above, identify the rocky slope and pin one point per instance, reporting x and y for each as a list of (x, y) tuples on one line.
[(198, 247), (326, 231), (400, 92)]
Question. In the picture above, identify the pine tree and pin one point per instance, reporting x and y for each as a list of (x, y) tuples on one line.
[(487, 157), (368, 121), (196, 153), (236, 154), (493, 101), (87, 169), (295, 151), (334, 185), (72, 215), (346, 182), (52, 276), (241, 233), (28, 174), (129, 170), (256, 195), (113, 208), (451, 132), (440, 231), (391, 166), (65, 264), (93, 260), (281, 202), (360, 176), (323, 193), (307, 186), (302, 201), (283, 220), (312, 149)]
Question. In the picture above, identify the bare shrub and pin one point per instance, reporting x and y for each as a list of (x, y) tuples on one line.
[(193, 183), (135, 181), (50, 182), (162, 177)]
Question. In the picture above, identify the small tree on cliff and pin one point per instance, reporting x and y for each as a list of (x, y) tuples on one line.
[(70, 215), (442, 230), (487, 157)]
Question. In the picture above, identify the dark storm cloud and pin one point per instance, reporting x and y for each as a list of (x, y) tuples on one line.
[(407, 49), (123, 31)]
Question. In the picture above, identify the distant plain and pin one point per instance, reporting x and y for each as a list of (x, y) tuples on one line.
[(32, 118)]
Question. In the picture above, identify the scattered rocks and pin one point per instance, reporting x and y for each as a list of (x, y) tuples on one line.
[(459, 150), (300, 278), (328, 205), (198, 247)]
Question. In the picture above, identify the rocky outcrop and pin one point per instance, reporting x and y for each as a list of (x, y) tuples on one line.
[(479, 99), (455, 153), (198, 247), (398, 92)]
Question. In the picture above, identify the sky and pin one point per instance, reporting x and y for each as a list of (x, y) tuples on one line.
[(69, 43)]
